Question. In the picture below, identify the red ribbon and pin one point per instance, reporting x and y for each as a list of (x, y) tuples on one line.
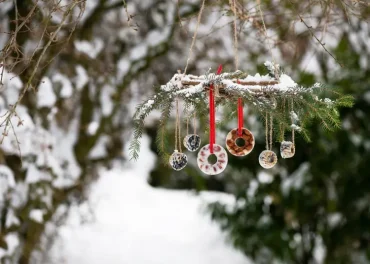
[(240, 115), (212, 116)]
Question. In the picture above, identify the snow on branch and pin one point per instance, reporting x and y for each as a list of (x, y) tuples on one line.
[(231, 83)]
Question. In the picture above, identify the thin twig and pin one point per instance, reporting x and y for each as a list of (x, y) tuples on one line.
[(195, 35), (179, 17), (315, 37), (233, 7), (11, 111), (129, 17)]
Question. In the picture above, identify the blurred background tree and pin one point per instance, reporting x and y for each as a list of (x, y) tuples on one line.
[(80, 67)]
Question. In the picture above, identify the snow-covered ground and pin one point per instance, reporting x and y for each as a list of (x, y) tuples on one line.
[(134, 223)]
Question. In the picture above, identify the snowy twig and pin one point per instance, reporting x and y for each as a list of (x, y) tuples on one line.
[(229, 83)]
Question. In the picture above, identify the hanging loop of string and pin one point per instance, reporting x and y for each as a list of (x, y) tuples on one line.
[(265, 29), (212, 117), (178, 128), (187, 126), (271, 123), (194, 36), (282, 129), (236, 61), (177, 120), (266, 130), (268, 146), (292, 117), (194, 122)]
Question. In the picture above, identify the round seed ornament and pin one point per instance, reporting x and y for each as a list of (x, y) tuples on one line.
[(267, 159), (192, 142), (287, 149), (208, 168), (233, 147), (178, 160)]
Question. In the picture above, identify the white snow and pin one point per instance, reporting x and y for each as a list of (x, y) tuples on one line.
[(64, 153), (264, 177), (123, 66), (295, 127), (319, 251), (299, 27), (294, 116), (45, 95), (7, 182), (23, 132), (19, 196), (310, 63), (5, 7), (285, 82), (149, 103), (139, 51), (99, 150), (12, 242), (106, 94), (367, 97), (92, 128), (253, 187), (146, 106), (296, 180), (329, 102), (11, 219), (192, 90), (271, 66), (11, 86), (334, 219), (135, 223), (35, 175), (67, 88), (82, 78), (155, 37), (89, 8), (91, 49), (6, 175), (37, 215), (175, 82)]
